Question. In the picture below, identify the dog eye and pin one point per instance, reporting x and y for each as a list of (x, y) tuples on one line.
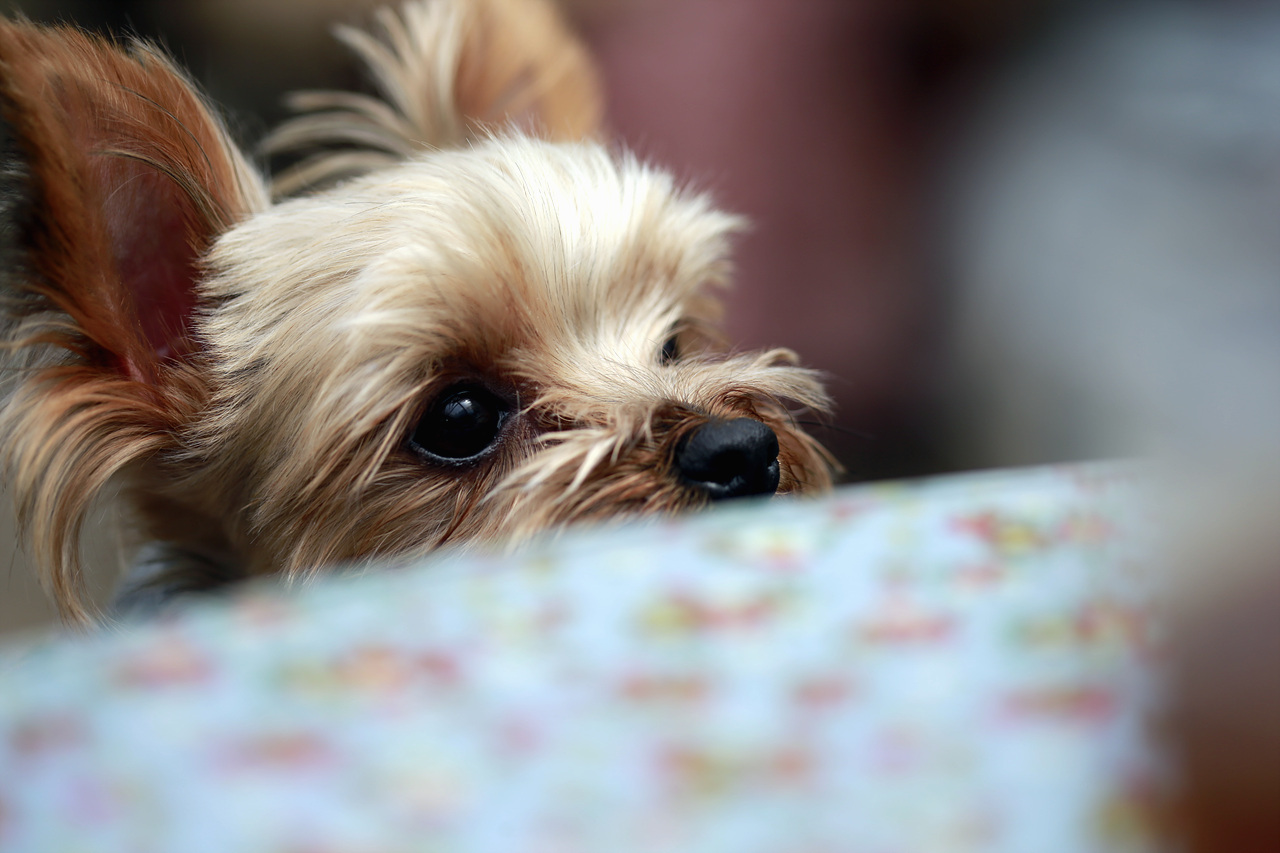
[(670, 351), (460, 425)]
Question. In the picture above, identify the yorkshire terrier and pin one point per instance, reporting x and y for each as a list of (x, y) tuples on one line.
[(461, 318)]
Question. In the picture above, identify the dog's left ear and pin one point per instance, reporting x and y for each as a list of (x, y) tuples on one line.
[(448, 72), (116, 179), (119, 179)]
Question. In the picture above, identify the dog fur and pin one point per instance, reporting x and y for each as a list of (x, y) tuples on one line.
[(248, 371)]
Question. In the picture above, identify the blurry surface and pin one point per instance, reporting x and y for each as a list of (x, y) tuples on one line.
[(978, 685)]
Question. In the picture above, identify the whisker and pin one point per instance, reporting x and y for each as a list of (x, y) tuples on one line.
[(866, 436)]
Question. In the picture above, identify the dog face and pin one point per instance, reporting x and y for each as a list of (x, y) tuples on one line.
[(531, 316), (509, 331)]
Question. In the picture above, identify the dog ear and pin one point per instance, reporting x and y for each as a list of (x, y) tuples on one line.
[(117, 178), (449, 72)]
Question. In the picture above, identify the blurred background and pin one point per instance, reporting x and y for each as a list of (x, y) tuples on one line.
[(1010, 231)]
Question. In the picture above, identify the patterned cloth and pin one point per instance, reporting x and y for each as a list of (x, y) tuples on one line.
[(956, 665)]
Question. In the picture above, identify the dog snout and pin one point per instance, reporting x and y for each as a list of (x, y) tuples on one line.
[(730, 459)]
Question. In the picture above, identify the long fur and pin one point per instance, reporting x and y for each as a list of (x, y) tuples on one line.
[(117, 150), (448, 73), (474, 232)]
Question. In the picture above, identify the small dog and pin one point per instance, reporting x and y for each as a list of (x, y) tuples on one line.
[(470, 322)]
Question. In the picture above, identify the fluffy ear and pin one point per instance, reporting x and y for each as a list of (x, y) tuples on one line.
[(117, 178), (448, 71)]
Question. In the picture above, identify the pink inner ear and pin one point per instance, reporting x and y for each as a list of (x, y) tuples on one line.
[(148, 221)]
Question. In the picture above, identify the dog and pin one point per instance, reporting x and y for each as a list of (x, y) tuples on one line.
[(460, 317)]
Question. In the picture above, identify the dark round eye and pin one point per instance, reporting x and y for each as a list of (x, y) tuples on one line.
[(460, 425), (670, 350)]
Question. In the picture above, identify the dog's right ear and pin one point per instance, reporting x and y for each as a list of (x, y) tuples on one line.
[(117, 178), (448, 71)]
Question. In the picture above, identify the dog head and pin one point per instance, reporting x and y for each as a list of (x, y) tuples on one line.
[(473, 324)]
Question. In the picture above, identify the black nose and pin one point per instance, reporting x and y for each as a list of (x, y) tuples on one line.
[(730, 459)]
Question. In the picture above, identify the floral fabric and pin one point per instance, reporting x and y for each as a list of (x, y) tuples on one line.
[(955, 665)]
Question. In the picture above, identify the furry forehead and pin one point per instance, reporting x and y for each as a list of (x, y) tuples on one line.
[(515, 238)]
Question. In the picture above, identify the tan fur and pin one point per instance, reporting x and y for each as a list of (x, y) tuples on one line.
[(448, 73), (482, 237)]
